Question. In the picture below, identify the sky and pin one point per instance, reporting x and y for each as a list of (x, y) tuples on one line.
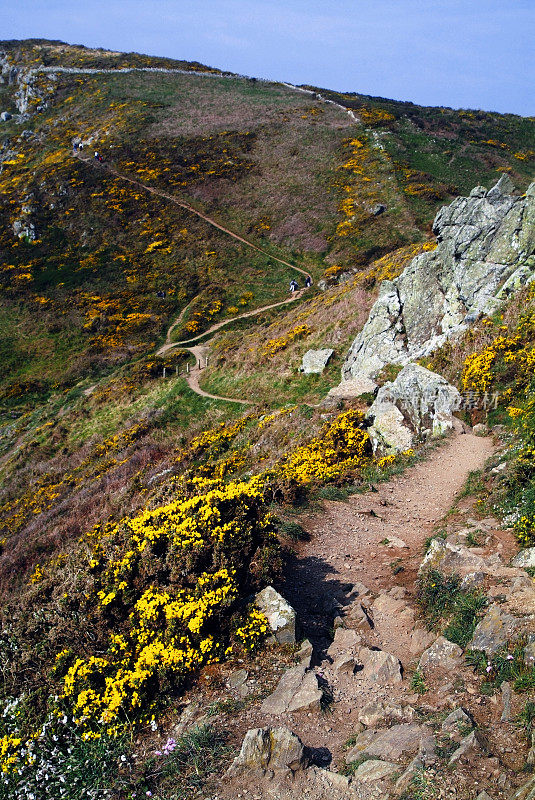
[(459, 53)]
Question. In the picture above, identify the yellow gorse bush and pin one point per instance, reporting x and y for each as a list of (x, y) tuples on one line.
[(343, 446), (168, 598)]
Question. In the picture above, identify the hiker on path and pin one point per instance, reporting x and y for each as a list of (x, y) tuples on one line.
[(294, 286), (308, 282)]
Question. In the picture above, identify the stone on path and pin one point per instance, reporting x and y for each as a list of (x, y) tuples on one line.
[(378, 667), (393, 744), (374, 770), (442, 655), (297, 690), (279, 613), (276, 750)]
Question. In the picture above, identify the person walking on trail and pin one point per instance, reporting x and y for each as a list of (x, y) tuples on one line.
[(293, 286), (308, 282)]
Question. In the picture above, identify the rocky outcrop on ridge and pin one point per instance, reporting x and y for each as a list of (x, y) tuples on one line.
[(486, 245)]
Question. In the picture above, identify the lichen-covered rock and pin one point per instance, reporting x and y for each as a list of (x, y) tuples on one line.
[(495, 630), (275, 749), (279, 613), (524, 559), (419, 403), (315, 361), (485, 247), (449, 558), (442, 655)]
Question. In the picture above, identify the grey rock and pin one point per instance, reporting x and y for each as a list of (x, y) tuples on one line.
[(406, 778), (526, 791), (378, 667), (529, 654), (237, 678), (315, 361), (393, 744), (472, 744), (442, 655), (495, 630), (448, 559), (346, 641), (304, 654), (297, 690), (480, 429), (355, 387), (345, 664), (375, 770), (378, 209), (279, 613), (276, 750), (472, 580), (379, 713), (418, 403), (482, 241), (506, 700), (483, 796), (455, 719), (524, 559)]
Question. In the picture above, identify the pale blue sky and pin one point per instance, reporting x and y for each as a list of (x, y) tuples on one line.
[(459, 53)]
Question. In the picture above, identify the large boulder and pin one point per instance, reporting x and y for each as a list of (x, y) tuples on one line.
[(485, 248), (276, 750), (315, 361), (418, 404), (279, 613)]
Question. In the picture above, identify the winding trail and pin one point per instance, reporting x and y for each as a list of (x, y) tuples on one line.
[(192, 378), (199, 351)]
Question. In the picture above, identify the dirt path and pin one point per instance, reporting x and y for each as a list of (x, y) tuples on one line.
[(169, 345), (193, 376), (347, 550), (192, 210), (345, 544)]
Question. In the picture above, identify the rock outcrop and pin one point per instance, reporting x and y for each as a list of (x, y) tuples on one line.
[(418, 404), (486, 245)]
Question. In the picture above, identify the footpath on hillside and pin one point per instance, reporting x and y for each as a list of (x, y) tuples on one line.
[(354, 579)]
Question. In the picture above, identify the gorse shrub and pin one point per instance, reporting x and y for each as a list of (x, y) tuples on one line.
[(167, 582)]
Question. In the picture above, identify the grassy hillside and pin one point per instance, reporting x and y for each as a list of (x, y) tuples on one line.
[(106, 466)]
